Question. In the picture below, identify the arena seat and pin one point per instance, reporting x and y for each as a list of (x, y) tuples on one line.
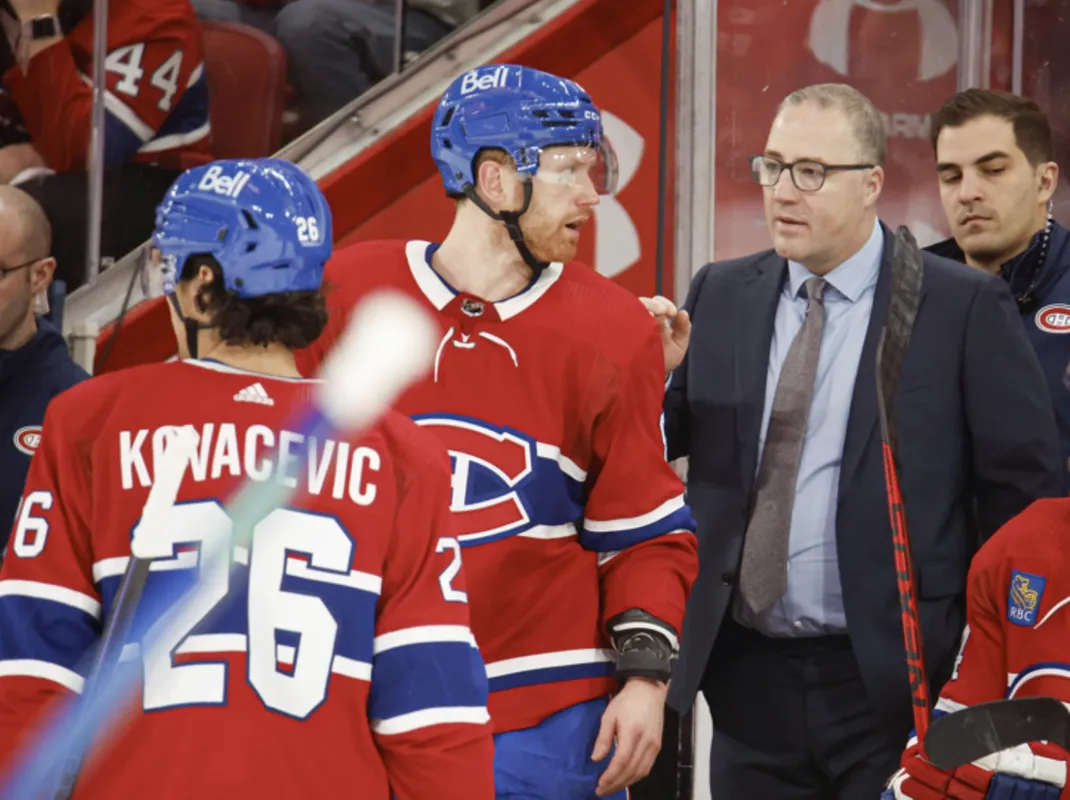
[(246, 72)]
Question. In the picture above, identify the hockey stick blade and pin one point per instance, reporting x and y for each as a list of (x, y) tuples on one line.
[(388, 344), (972, 733)]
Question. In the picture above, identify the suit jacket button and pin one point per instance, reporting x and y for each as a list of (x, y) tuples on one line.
[(728, 578)]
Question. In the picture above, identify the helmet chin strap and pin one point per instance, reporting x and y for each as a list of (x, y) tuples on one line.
[(192, 326), (511, 220)]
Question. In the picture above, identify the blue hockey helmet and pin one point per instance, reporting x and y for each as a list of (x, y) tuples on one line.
[(264, 220), (519, 110)]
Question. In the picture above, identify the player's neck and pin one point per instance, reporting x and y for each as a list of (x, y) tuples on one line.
[(274, 359), (477, 257), (20, 334)]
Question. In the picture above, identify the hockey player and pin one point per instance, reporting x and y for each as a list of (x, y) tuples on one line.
[(344, 663), (1014, 645), (547, 391)]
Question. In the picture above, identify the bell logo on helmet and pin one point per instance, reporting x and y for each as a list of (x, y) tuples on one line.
[(227, 185), (474, 82)]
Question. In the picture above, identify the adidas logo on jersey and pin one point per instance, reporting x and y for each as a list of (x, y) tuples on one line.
[(254, 394)]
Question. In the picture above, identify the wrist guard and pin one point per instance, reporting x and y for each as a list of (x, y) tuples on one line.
[(646, 647)]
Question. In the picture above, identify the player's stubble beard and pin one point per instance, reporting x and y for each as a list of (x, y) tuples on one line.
[(546, 236)]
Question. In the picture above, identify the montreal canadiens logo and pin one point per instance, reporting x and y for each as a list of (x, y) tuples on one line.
[(1054, 318), (27, 439)]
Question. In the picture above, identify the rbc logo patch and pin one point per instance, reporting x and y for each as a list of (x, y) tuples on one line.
[(1024, 597)]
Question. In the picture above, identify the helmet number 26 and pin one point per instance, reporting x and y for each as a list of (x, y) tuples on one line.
[(307, 230)]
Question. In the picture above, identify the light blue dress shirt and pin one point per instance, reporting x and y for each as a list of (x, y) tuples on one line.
[(813, 603)]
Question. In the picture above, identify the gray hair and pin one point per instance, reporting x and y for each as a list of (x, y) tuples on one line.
[(859, 110)]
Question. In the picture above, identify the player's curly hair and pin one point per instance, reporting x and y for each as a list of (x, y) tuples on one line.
[(292, 319)]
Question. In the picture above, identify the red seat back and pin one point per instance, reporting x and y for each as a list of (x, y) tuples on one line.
[(246, 71)]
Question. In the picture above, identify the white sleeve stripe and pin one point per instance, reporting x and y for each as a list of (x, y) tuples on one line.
[(415, 720), (176, 140), (49, 591), (122, 112), (29, 668), (606, 526), (562, 658), (109, 568), (564, 463), (423, 634), (351, 668), (949, 706), (547, 532), (195, 76)]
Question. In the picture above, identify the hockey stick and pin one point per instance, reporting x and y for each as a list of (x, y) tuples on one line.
[(972, 733), (389, 343), (891, 350), (179, 447)]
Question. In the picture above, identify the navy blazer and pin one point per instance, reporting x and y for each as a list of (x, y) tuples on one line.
[(977, 439)]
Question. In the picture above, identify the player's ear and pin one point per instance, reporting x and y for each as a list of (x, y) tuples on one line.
[(205, 274), (41, 275)]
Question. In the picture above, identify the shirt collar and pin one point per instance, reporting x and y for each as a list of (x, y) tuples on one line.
[(850, 278)]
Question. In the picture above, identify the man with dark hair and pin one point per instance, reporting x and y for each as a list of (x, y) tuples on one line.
[(35, 364), (341, 655), (995, 163)]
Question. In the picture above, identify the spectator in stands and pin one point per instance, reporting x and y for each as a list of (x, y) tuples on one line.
[(338, 49), (995, 162), (34, 363), (156, 120)]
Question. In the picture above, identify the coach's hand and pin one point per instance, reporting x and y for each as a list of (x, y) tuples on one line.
[(675, 328), (634, 720)]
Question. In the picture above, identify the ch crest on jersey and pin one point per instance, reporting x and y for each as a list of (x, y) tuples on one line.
[(502, 485), (490, 465)]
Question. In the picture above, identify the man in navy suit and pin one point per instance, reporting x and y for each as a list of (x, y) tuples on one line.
[(793, 627)]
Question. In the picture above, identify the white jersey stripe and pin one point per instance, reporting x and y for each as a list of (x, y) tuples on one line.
[(415, 720), (562, 658), (624, 524), (49, 591), (423, 634), (29, 668)]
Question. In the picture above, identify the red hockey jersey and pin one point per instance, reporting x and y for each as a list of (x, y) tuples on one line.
[(344, 663), (156, 105), (1018, 617), (549, 404)]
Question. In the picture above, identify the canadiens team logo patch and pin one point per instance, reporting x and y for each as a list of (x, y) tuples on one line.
[(1024, 598), (27, 439), (1054, 318)]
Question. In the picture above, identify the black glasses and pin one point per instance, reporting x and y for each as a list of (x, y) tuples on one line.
[(808, 176), (4, 271)]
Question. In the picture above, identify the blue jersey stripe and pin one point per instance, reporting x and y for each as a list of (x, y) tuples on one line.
[(45, 630), (427, 675), (612, 541), (569, 672)]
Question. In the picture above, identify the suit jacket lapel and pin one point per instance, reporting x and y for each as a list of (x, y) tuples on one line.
[(863, 415), (755, 312)]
